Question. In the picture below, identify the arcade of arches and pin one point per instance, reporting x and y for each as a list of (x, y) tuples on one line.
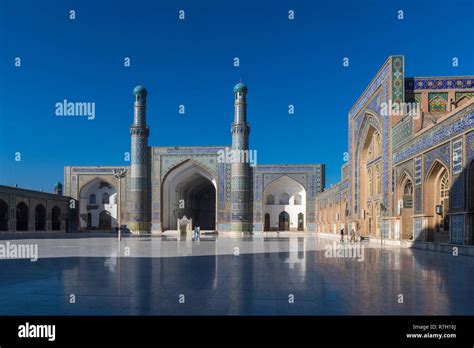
[(25, 210)]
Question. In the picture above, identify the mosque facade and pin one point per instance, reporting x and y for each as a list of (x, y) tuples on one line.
[(165, 188), (410, 169)]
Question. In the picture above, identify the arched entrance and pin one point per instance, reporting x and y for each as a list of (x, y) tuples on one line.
[(40, 218), (287, 194), (105, 220), (284, 221), (437, 186), (405, 194), (97, 195), (266, 226), (370, 220), (56, 218), (3, 215), (22, 214), (370, 186), (300, 222), (189, 190)]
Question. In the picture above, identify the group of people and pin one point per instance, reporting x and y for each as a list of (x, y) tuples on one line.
[(354, 235)]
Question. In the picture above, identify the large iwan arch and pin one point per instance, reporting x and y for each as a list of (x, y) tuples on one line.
[(370, 190), (189, 190)]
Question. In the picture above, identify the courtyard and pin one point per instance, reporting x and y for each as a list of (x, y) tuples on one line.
[(229, 274)]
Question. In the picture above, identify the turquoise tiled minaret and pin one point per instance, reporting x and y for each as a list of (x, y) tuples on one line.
[(240, 182), (139, 220)]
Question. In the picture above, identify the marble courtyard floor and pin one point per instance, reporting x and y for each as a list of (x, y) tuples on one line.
[(230, 274)]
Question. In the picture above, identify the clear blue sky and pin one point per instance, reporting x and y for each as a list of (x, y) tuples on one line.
[(190, 62)]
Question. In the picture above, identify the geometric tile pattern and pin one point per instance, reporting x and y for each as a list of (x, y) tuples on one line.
[(459, 95), (418, 233), (437, 102), (469, 147), (418, 200), (402, 131), (418, 177), (437, 135), (457, 229), (434, 84), (457, 156)]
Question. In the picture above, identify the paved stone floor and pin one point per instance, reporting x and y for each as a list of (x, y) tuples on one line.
[(230, 275)]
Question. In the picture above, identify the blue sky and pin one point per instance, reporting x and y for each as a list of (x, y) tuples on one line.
[(190, 62)]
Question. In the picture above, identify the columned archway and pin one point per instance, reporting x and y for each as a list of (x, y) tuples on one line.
[(56, 218), (3, 215), (189, 190), (40, 218), (22, 217)]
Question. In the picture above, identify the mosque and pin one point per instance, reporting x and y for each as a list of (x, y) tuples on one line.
[(171, 188), (409, 175)]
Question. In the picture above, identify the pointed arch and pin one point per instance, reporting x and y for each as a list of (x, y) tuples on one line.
[(436, 202), (97, 194), (56, 218), (404, 176), (405, 205), (22, 216), (40, 218), (4, 218), (193, 185), (371, 127), (290, 196)]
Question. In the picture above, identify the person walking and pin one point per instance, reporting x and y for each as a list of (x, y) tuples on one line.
[(353, 236), (342, 235)]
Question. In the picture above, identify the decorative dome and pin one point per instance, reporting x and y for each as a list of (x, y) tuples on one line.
[(240, 87), (140, 90)]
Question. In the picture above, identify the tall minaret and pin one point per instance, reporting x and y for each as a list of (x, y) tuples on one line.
[(240, 182), (139, 187)]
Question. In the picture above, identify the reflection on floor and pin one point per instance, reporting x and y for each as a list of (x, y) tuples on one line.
[(231, 275)]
